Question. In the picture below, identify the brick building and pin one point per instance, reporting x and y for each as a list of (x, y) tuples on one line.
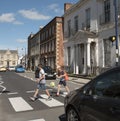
[(46, 46)]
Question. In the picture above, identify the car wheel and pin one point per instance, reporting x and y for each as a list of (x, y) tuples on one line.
[(72, 115)]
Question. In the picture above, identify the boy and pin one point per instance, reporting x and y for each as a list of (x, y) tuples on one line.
[(41, 84)]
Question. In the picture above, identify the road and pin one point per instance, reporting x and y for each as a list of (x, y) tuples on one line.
[(15, 104)]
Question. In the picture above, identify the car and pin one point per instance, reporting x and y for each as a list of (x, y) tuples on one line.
[(49, 72), (3, 69), (19, 68), (11, 68), (98, 100)]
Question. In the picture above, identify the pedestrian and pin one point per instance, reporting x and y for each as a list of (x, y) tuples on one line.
[(62, 81), (41, 84)]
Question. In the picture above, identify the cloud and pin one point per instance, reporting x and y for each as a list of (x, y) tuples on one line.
[(21, 40), (55, 7), (9, 18), (33, 15)]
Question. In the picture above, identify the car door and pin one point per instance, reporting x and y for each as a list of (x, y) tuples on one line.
[(102, 98)]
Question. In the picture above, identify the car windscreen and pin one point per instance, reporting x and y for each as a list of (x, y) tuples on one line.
[(47, 68)]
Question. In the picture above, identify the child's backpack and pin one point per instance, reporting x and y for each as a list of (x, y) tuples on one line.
[(66, 76), (37, 72)]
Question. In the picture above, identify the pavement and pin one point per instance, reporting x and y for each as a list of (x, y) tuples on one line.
[(75, 78)]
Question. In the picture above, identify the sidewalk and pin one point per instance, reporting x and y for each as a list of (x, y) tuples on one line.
[(79, 80), (76, 79)]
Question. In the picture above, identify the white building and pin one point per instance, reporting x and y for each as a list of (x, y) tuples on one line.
[(88, 25)]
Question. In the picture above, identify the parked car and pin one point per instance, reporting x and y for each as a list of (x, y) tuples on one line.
[(49, 72), (19, 68), (3, 69), (11, 68), (98, 100)]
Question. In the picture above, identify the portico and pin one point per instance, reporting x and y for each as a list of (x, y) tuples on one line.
[(83, 52)]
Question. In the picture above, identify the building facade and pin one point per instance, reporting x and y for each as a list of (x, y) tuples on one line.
[(8, 58), (51, 43), (46, 46), (88, 25), (33, 50)]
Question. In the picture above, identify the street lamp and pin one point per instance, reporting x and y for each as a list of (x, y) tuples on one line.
[(24, 56), (116, 31)]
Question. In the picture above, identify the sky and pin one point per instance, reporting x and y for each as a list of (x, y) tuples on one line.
[(19, 18)]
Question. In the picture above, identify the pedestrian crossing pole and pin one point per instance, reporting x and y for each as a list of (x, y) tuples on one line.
[(116, 31)]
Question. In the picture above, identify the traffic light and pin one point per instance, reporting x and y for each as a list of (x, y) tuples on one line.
[(112, 38)]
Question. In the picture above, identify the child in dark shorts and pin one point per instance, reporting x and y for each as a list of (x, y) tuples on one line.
[(62, 81)]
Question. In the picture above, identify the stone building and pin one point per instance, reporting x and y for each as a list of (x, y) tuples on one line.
[(33, 50), (8, 58), (88, 25)]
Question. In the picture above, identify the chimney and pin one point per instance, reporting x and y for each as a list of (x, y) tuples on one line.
[(67, 6)]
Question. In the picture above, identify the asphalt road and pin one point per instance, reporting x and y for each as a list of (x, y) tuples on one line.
[(15, 104)]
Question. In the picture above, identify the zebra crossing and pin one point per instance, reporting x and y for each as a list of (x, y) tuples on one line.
[(20, 104)]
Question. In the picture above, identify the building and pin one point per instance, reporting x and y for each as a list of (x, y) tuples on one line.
[(33, 50), (46, 46), (88, 25), (51, 43), (8, 58)]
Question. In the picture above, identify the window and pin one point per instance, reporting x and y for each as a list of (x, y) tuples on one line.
[(108, 84), (13, 63), (88, 18), (107, 10), (76, 23), (107, 53), (69, 28), (69, 55)]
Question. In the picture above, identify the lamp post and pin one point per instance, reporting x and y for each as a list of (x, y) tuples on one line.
[(24, 56), (116, 31)]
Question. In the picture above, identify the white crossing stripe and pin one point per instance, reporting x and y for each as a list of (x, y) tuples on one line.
[(12, 93), (31, 91), (50, 103), (37, 120), (64, 94), (19, 104)]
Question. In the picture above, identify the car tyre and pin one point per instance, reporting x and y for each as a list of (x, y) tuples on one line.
[(72, 115)]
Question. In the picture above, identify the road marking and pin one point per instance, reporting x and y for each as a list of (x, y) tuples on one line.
[(3, 88), (50, 103), (19, 104), (64, 94), (37, 120), (12, 93), (31, 91)]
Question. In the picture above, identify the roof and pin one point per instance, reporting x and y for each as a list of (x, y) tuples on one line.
[(11, 51)]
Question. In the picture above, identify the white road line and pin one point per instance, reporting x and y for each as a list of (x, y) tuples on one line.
[(64, 94), (31, 91), (19, 104), (37, 120), (50, 103), (12, 93)]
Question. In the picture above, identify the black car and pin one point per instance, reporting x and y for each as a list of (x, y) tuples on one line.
[(98, 100), (49, 72)]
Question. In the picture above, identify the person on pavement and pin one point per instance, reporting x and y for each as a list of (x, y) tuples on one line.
[(41, 84), (62, 81)]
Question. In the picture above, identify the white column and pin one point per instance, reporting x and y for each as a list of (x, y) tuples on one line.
[(74, 60), (85, 59), (88, 59), (77, 61), (88, 54)]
